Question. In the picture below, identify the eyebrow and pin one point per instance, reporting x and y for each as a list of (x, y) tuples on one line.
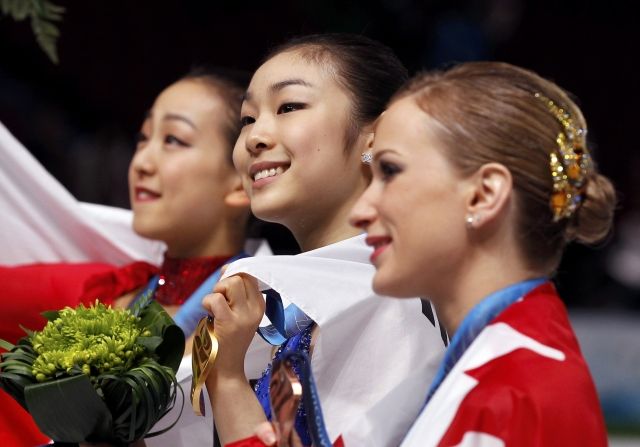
[(287, 82), (379, 153), (176, 117), (276, 87)]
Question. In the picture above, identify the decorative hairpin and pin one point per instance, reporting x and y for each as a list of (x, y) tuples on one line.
[(570, 165)]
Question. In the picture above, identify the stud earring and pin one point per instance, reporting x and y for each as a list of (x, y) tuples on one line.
[(366, 158), (470, 219)]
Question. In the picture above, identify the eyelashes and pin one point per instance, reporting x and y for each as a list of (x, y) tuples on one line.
[(246, 120), (173, 140), (388, 170), (168, 140), (287, 107)]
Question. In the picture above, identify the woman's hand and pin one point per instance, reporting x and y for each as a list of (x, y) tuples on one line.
[(237, 306)]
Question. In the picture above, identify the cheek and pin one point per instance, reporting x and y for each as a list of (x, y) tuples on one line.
[(130, 176), (240, 154), (313, 138), (302, 144), (186, 178)]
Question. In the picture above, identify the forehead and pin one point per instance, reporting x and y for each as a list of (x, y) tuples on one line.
[(292, 65), (188, 97), (402, 122)]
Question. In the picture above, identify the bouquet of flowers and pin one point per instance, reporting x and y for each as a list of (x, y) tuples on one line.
[(97, 374)]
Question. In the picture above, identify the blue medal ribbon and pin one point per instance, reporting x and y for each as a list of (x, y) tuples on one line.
[(310, 399), (285, 322), (479, 317)]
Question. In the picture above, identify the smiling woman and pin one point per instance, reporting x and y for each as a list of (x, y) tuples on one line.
[(307, 118), (297, 119), (181, 168), (184, 192), (482, 175)]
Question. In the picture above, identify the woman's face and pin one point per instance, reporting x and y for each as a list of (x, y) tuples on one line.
[(291, 152), (414, 209), (181, 172)]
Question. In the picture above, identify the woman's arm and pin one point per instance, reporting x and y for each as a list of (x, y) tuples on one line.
[(237, 307)]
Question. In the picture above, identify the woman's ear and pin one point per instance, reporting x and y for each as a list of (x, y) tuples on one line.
[(369, 141), (237, 197), (492, 188)]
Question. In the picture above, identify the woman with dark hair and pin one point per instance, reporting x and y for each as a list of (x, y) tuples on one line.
[(481, 176), (184, 192), (308, 118)]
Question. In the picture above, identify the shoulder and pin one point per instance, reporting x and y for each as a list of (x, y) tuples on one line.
[(508, 406), (113, 282), (542, 316), (528, 379)]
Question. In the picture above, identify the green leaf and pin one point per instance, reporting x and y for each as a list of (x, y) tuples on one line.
[(15, 369), (6, 345), (27, 331), (6, 6), (170, 426), (118, 406), (151, 343), (51, 315), (42, 14), (171, 350), (46, 41), (154, 318), (142, 303), (69, 410), (51, 10), (20, 10)]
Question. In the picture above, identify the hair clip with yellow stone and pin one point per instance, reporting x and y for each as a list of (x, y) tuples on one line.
[(570, 165)]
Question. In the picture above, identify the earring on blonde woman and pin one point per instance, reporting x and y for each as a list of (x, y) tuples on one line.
[(470, 220)]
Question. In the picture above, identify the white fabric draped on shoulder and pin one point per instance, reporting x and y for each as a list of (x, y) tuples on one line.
[(41, 221), (374, 358)]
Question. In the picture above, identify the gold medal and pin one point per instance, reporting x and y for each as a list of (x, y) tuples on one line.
[(205, 349)]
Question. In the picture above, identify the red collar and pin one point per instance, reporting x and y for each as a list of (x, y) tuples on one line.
[(179, 278)]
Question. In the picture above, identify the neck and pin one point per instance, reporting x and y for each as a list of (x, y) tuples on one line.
[(315, 230), (226, 239), (317, 238), (484, 274)]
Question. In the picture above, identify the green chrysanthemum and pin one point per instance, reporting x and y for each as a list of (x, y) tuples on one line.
[(92, 341), (110, 372)]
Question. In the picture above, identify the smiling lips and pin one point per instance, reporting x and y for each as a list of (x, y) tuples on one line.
[(145, 195), (268, 173), (265, 172), (379, 244)]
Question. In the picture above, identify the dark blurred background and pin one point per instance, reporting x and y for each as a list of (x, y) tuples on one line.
[(79, 117)]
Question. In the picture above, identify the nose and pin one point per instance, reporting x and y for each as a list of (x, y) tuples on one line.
[(143, 163), (364, 212), (261, 136)]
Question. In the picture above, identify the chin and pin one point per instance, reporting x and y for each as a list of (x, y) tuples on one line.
[(393, 286), (145, 230), (268, 211)]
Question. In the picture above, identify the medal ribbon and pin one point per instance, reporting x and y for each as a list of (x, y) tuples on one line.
[(479, 317), (310, 399), (285, 322)]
